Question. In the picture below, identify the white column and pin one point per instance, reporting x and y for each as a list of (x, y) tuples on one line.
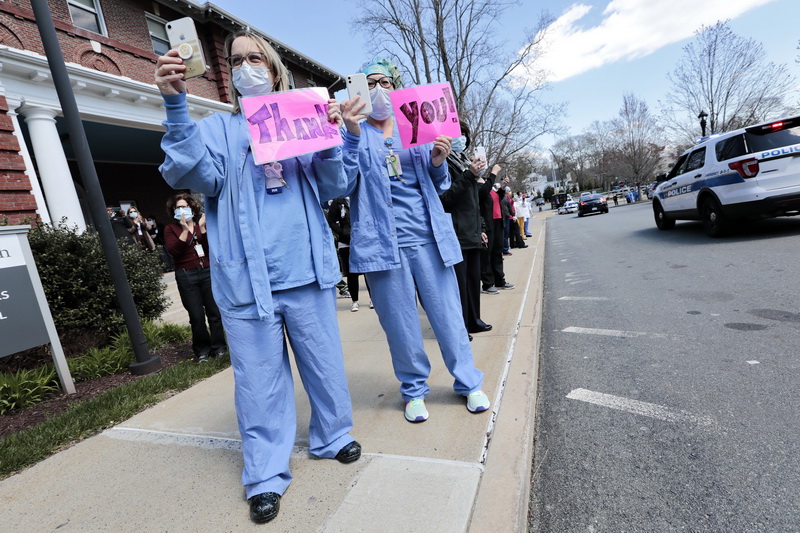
[(62, 199), (36, 189)]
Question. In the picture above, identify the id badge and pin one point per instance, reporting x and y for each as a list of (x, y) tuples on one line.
[(273, 172), (199, 249), (393, 166)]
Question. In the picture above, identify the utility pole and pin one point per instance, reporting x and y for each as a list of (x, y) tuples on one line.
[(145, 362)]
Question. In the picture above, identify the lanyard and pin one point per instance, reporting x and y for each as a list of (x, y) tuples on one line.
[(393, 162)]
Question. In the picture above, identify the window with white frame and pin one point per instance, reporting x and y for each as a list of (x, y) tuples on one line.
[(86, 14), (158, 34)]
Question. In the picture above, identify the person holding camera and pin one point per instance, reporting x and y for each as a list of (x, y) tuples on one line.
[(404, 242), (273, 267), (187, 244), (461, 201)]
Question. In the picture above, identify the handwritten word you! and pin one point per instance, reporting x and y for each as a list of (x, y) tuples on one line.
[(438, 109)]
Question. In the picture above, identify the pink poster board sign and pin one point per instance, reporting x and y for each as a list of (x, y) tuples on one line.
[(424, 113), (288, 124)]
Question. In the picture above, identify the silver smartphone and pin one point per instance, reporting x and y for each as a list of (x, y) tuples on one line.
[(357, 87), (182, 36), (480, 153)]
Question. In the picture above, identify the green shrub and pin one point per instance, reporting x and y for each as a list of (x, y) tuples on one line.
[(99, 362), (77, 281), (173, 333), (157, 335), (26, 387)]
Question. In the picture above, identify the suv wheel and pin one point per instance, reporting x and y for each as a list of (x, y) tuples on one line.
[(714, 221), (663, 222)]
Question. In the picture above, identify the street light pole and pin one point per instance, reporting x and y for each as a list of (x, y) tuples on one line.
[(702, 116), (145, 362)]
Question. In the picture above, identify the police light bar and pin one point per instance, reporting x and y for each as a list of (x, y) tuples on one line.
[(778, 125)]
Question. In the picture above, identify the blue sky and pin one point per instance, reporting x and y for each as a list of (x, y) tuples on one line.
[(600, 49)]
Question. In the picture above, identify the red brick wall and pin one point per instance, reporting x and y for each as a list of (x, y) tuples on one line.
[(126, 51), (16, 201)]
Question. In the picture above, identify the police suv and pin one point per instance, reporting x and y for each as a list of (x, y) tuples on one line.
[(746, 173)]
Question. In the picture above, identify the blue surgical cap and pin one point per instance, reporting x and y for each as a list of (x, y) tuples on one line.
[(381, 65)]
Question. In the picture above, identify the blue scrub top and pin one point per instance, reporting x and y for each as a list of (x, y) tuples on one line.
[(410, 213), (284, 226)]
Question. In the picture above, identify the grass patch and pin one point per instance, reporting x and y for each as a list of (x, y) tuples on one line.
[(92, 416)]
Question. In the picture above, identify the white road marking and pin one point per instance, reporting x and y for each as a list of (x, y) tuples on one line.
[(584, 298), (753, 363), (613, 332), (636, 407), (579, 281)]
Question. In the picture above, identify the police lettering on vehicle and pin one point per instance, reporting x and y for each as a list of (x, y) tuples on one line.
[(782, 151), (679, 190)]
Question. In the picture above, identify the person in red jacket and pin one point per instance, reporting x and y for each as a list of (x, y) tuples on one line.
[(187, 243)]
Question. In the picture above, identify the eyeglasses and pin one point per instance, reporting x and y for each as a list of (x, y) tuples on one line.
[(253, 58), (385, 82)]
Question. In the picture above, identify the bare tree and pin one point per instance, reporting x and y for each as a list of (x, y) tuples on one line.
[(726, 76), (454, 41), (639, 139)]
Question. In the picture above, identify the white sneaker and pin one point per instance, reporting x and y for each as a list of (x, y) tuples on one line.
[(370, 305), (355, 307), (415, 410), (477, 402)]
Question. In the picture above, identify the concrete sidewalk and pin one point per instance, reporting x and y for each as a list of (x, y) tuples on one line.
[(177, 466)]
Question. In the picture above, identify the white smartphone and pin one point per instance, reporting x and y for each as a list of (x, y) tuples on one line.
[(182, 36), (480, 153), (357, 87)]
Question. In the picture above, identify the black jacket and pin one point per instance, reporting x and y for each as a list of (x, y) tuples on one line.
[(487, 205), (461, 201), (340, 225)]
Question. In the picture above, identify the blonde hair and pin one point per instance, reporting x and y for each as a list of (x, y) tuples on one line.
[(279, 74)]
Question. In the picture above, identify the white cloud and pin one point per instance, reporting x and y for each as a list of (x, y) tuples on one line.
[(629, 29)]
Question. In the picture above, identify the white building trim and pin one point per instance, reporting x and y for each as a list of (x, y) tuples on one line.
[(101, 97)]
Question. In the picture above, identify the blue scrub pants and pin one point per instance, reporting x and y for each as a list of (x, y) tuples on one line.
[(394, 293), (264, 396)]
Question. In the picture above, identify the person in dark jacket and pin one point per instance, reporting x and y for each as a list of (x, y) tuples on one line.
[(187, 243), (461, 201), (492, 276), (339, 220)]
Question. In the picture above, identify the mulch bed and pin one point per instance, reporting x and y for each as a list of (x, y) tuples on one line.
[(15, 421)]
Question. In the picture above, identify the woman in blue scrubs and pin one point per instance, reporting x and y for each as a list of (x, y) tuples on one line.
[(273, 268), (405, 243)]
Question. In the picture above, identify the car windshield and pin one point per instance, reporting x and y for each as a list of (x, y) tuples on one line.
[(593, 197)]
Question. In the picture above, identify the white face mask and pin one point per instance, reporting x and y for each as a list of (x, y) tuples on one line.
[(458, 144), (381, 103), (252, 81), (187, 213)]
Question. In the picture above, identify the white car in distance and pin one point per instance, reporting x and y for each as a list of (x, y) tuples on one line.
[(568, 207)]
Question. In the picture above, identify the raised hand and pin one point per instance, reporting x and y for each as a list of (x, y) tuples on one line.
[(351, 114), (441, 149), (169, 73)]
